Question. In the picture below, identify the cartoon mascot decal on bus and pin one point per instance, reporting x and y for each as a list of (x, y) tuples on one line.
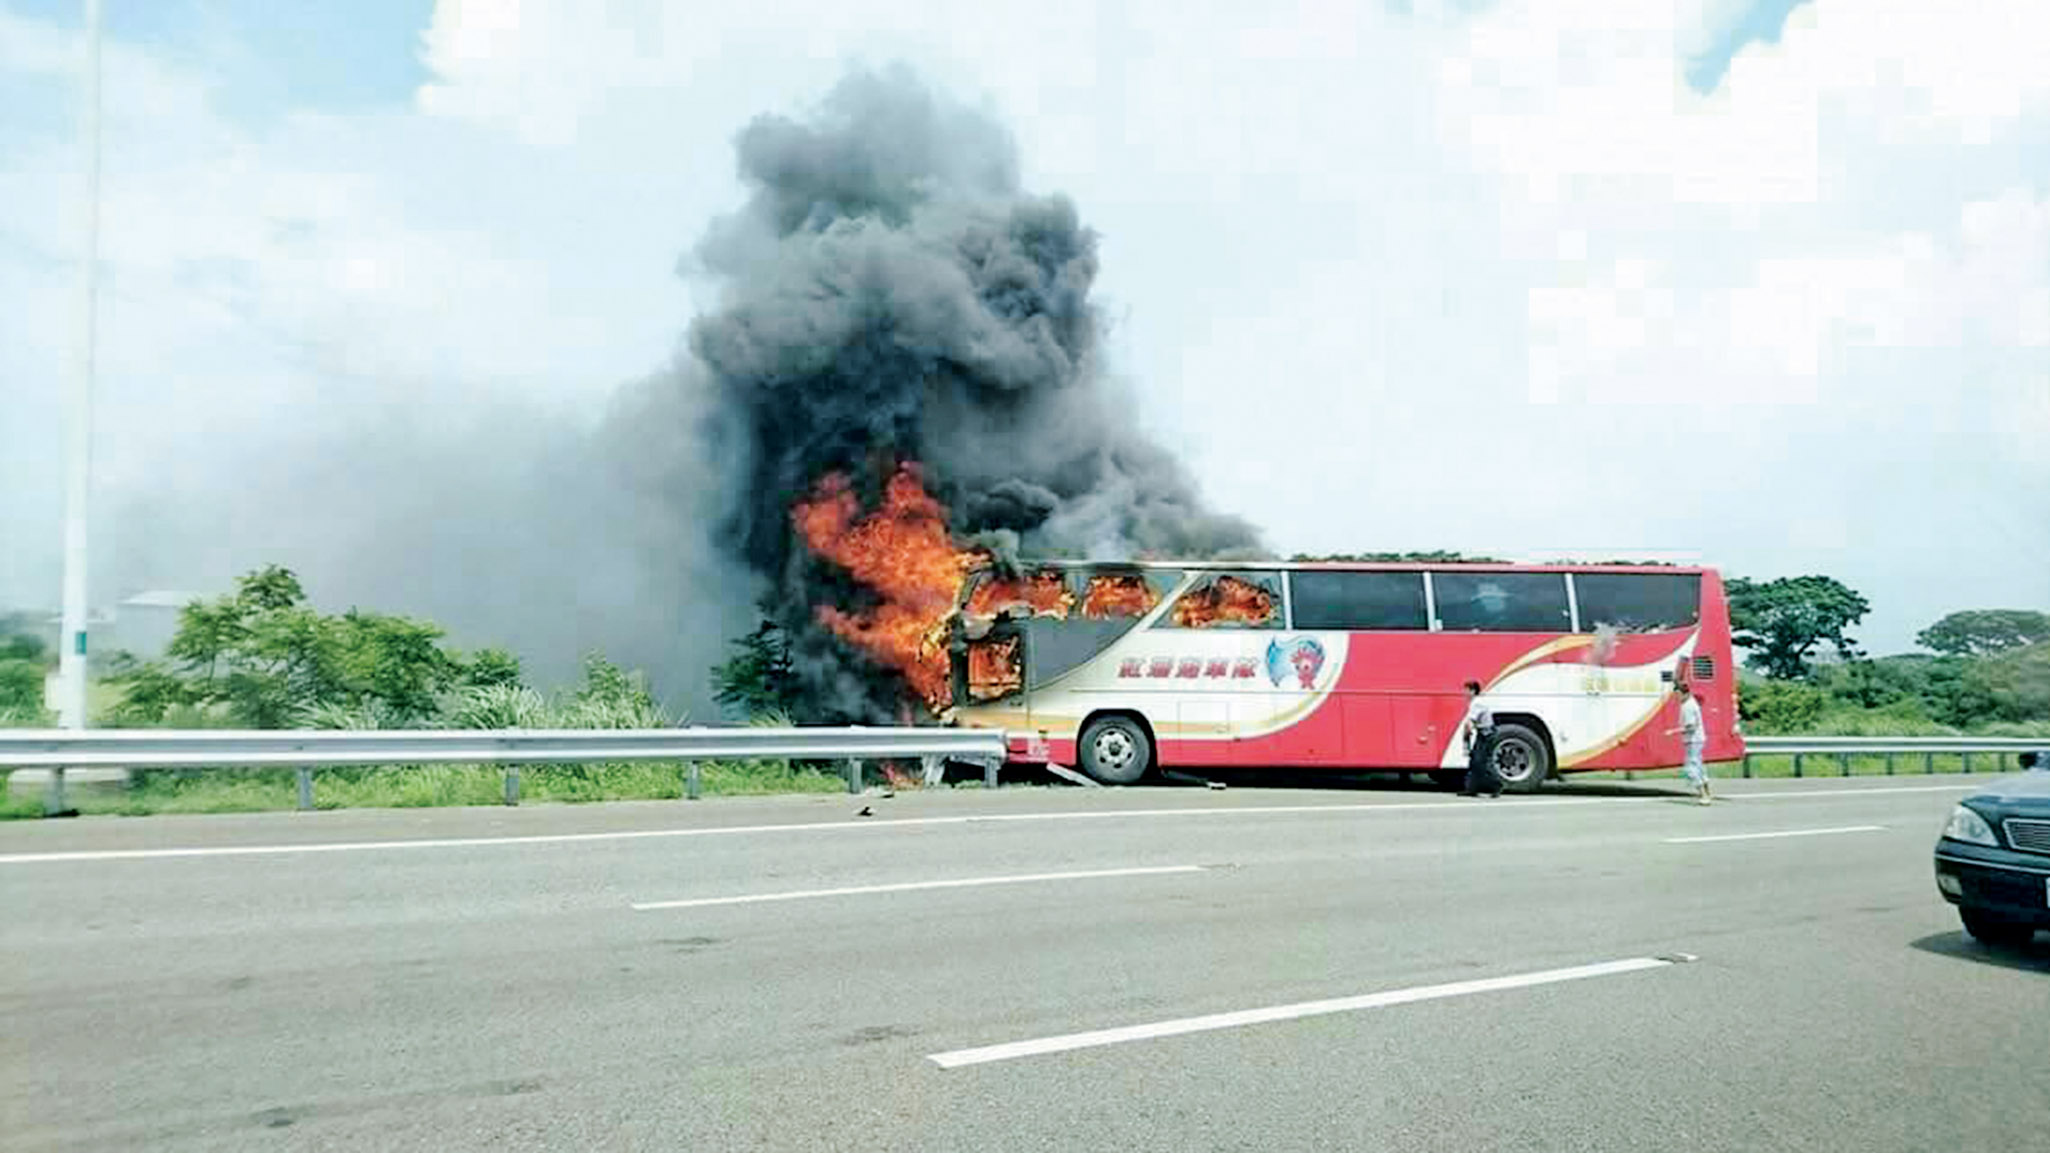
[(1303, 656)]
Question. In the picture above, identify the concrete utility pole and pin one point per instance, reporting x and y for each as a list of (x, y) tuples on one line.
[(78, 427)]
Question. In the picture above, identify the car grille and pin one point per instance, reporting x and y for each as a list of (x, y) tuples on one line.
[(2028, 836)]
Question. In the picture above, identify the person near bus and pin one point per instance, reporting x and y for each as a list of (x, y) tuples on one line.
[(1479, 726), (1693, 739)]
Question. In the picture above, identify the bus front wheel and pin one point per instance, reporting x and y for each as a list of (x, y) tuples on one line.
[(1116, 750), (1522, 759)]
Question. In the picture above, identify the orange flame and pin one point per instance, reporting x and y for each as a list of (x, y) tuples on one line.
[(1045, 594), (994, 669), (1227, 600), (1118, 596), (902, 552)]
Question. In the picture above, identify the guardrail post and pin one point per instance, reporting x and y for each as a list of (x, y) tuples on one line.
[(1889, 764), (1797, 764), (512, 784), (305, 788), (1843, 764), (1968, 762), (1747, 766), (853, 775), (53, 799), (1928, 764), (691, 781), (989, 773)]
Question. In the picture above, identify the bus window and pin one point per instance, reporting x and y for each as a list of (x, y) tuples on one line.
[(1112, 601), (1357, 600), (996, 668), (1502, 602), (1041, 594), (1638, 602), (1122, 595), (1242, 600)]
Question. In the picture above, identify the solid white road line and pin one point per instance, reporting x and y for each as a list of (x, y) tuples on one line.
[(1100, 1037), (1776, 833), (1517, 806), (963, 883), (1850, 792)]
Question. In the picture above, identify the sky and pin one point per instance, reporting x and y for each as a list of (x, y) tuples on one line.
[(1754, 283)]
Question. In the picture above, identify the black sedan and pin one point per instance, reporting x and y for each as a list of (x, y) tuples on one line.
[(1993, 860)]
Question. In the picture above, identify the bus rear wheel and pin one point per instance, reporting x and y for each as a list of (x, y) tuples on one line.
[(1522, 759), (1116, 750)]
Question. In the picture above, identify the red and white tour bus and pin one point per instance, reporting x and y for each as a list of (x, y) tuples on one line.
[(1122, 668)]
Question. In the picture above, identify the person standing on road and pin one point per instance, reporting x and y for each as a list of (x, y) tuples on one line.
[(1693, 739), (1479, 727)]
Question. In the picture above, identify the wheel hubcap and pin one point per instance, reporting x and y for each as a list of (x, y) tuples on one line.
[(1113, 750), (1512, 761)]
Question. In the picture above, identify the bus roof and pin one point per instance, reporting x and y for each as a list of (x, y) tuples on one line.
[(1366, 566)]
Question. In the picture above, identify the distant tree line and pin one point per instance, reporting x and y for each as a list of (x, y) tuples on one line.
[(1989, 666)]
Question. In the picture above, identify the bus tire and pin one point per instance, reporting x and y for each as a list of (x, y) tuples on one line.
[(1115, 750), (1522, 758)]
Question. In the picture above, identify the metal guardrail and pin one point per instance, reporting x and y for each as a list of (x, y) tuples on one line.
[(306, 750), (2003, 749), (1782, 745)]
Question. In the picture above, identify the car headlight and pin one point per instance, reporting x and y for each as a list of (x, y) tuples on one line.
[(1966, 825)]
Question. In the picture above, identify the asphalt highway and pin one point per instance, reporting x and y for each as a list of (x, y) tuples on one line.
[(1594, 968)]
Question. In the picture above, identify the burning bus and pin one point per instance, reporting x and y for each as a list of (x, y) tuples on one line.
[(1118, 669)]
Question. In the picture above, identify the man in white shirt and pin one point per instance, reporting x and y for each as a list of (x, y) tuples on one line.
[(1693, 738), (1479, 726)]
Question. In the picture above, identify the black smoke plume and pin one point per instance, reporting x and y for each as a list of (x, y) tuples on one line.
[(890, 293)]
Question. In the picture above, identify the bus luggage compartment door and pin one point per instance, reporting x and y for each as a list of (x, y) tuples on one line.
[(1202, 732)]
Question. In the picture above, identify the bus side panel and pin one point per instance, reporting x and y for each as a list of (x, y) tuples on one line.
[(1719, 689), (1396, 700), (1411, 687), (1399, 703)]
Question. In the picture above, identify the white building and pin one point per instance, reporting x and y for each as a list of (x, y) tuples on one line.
[(144, 624)]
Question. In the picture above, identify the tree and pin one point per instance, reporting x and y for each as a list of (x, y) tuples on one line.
[(1783, 620), (24, 661), (21, 686), (2015, 684), (396, 662), (1984, 632), (23, 647), (493, 668), (267, 659), (759, 678), (612, 698)]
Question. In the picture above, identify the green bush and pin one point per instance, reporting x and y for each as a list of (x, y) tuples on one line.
[(1888, 722), (21, 685), (1770, 706)]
